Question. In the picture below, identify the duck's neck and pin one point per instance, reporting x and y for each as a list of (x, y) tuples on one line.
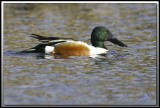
[(96, 43)]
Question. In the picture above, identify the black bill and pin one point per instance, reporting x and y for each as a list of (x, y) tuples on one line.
[(117, 42)]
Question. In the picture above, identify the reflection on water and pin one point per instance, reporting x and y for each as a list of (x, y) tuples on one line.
[(124, 76)]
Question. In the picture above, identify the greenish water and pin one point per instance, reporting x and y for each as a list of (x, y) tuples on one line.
[(125, 76)]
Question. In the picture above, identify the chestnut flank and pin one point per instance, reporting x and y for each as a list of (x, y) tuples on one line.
[(71, 49)]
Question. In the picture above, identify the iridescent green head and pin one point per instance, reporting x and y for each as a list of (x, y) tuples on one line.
[(101, 34)]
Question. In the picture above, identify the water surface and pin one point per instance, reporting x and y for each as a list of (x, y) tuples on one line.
[(125, 76)]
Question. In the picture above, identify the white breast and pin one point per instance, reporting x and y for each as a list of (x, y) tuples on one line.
[(96, 50)]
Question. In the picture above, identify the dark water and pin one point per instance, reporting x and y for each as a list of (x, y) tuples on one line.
[(125, 76)]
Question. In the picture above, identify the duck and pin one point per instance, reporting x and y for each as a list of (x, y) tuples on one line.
[(66, 47)]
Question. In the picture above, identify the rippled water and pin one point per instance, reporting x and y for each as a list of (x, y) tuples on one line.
[(125, 76)]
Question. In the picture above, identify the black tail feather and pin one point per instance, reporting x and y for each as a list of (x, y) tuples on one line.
[(28, 51), (40, 48), (46, 41)]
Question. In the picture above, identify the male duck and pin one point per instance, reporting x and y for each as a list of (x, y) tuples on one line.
[(67, 47)]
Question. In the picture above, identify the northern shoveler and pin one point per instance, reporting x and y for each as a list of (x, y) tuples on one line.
[(67, 47)]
